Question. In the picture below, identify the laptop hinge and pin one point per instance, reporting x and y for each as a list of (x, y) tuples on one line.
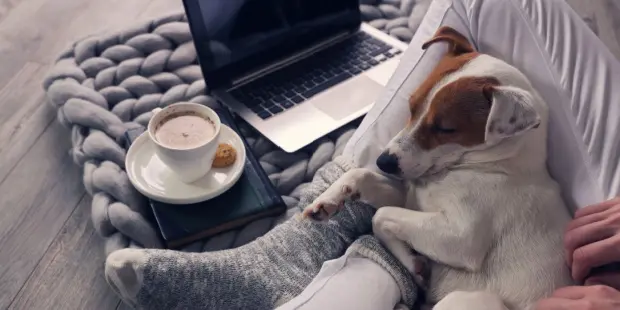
[(288, 60)]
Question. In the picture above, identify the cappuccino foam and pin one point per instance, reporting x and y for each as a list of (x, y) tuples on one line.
[(184, 130)]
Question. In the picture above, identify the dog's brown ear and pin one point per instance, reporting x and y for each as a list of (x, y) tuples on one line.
[(458, 43)]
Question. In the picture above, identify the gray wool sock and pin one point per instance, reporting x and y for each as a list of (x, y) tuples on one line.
[(260, 275)]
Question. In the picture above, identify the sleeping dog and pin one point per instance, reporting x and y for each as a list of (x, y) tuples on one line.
[(477, 201)]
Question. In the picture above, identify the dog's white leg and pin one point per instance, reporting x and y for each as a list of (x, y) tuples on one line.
[(398, 248), (462, 242), (479, 300), (363, 184), (417, 265)]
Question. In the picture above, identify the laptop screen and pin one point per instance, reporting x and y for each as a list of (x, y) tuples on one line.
[(233, 37)]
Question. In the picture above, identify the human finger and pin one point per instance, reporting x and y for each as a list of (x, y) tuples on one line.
[(581, 292), (596, 208), (594, 255), (585, 235), (611, 279), (555, 303), (570, 292), (587, 219)]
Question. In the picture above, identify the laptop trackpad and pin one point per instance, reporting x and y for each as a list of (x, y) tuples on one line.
[(342, 100)]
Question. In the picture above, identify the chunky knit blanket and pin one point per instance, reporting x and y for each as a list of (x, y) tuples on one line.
[(105, 84)]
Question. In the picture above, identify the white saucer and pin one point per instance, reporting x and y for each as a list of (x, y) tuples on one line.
[(151, 177)]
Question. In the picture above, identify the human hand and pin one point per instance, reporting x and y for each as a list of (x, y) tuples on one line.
[(597, 297), (592, 240)]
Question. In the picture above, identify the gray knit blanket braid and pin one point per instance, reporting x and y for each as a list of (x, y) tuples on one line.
[(103, 85)]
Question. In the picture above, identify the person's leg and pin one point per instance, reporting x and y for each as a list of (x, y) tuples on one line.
[(349, 282), (259, 275), (366, 277)]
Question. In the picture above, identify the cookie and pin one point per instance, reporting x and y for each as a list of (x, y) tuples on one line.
[(224, 156)]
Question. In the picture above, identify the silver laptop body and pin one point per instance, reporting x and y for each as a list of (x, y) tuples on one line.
[(293, 69)]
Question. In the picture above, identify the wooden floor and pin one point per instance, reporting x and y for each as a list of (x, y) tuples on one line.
[(50, 256)]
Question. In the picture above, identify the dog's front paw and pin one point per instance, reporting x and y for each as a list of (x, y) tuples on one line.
[(322, 211), (330, 202)]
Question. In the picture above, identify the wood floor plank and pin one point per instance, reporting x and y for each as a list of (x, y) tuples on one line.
[(161, 8), (24, 117), (97, 18), (70, 275), (36, 200), (38, 30), (39, 185), (30, 25), (15, 94), (20, 96)]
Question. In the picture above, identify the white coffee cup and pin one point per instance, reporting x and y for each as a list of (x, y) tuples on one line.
[(189, 164)]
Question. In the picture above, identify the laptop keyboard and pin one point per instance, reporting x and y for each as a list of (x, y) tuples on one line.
[(285, 88)]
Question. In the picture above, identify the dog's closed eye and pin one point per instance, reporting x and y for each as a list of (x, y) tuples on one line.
[(457, 114), (443, 128)]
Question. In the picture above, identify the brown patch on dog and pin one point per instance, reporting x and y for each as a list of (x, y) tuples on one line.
[(458, 113), (459, 54)]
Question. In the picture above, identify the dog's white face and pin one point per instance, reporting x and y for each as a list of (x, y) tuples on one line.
[(469, 102)]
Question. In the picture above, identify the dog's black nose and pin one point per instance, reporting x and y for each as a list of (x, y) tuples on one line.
[(388, 163)]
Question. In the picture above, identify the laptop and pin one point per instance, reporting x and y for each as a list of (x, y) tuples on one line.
[(293, 69)]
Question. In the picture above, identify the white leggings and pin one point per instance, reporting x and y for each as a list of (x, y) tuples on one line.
[(572, 70)]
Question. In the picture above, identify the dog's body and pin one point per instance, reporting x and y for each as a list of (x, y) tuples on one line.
[(479, 202)]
